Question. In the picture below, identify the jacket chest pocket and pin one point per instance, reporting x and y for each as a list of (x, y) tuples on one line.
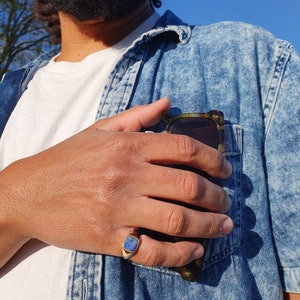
[(221, 248)]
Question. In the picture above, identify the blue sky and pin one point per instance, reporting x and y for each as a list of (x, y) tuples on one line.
[(281, 17)]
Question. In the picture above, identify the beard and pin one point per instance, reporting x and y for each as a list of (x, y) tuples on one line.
[(108, 10)]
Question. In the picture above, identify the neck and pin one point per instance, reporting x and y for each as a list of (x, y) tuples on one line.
[(79, 39)]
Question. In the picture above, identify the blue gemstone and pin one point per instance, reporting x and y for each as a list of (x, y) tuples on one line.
[(131, 243)]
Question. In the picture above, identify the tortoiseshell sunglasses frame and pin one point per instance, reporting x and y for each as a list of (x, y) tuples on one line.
[(216, 116)]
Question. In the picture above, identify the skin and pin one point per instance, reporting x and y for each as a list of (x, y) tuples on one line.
[(81, 38), (98, 186)]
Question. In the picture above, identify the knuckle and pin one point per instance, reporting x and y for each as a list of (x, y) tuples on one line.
[(118, 143), (217, 161), (212, 227), (176, 222), (187, 148), (182, 258), (112, 174), (153, 257), (192, 187), (121, 143), (113, 178)]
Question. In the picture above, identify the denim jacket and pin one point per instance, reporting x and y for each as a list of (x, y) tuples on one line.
[(254, 79)]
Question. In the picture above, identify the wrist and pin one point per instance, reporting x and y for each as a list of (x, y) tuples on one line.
[(11, 236)]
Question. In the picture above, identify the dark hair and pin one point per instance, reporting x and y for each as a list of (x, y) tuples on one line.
[(47, 14)]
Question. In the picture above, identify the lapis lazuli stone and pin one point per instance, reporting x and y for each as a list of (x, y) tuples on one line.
[(130, 243)]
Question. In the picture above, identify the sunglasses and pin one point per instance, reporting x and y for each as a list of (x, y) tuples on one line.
[(207, 128)]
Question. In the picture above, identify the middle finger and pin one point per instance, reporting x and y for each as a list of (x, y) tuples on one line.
[(182, 186)]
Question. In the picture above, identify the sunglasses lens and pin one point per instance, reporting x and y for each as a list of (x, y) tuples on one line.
[(202, 129)]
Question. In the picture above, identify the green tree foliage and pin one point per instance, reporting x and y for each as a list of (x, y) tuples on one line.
[(22, 36)]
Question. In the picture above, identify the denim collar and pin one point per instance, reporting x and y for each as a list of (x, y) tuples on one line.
[(166, 23), (169, 23)]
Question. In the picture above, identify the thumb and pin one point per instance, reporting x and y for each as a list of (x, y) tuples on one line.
[(135, 118)]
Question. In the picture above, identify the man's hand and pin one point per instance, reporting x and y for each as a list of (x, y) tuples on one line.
[(92, 190)]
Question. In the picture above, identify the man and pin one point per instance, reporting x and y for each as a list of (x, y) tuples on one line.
[(91, 189)]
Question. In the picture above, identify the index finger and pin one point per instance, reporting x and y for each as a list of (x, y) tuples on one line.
[(172, 149)]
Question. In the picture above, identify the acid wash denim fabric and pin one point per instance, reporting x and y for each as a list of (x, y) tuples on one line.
[(254, 79)]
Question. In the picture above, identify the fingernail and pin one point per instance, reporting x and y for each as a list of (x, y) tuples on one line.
[(227, 226), (199, 252)]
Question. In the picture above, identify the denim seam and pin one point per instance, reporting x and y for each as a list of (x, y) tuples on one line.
[(275, 84)]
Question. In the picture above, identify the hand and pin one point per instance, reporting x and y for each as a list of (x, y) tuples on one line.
[(92, 190)]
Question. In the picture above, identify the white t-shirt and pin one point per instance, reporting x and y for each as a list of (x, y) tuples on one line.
[(61, 100)]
